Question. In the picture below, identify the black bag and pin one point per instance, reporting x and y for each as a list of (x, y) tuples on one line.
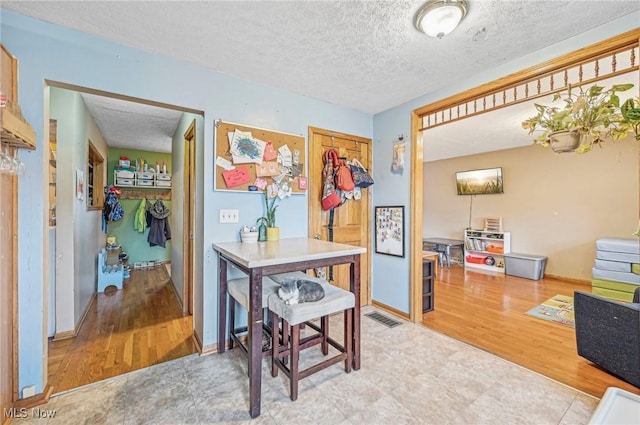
[(361, 176)]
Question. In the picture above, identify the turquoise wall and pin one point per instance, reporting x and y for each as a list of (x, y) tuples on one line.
[(133, 242), (133, 154)]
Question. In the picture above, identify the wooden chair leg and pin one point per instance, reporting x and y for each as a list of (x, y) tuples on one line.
[(324, 327), (293, 363), (285, 339), (275, 343), (348, 339), (232, 319)]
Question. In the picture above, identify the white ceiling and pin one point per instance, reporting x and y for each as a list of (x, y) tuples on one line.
[(364, 55), (133, 125)]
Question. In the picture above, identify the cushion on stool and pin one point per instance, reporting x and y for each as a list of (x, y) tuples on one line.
[(335, 300), (239, 290)]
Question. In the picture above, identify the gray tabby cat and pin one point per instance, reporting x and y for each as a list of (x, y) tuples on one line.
[(295, 291)]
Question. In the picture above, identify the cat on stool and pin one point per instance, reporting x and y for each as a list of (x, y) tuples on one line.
[(296, 291)]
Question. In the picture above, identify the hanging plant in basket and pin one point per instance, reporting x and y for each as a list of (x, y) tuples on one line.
[(588, 116)]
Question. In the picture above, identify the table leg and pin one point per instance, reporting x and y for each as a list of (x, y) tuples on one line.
[(222, 306), (255, 341), (447, 251), (355, 288)]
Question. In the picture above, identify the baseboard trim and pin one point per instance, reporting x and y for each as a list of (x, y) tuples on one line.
[(209, 349), (204, 349), (175, 292), (64, 335), (390, 310), (74, 332), (35, 400), (197, 341), (568, 279)]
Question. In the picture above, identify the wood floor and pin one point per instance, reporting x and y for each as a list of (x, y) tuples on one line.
[(488, 311), (139, 326)]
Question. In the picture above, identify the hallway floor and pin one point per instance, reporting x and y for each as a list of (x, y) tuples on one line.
[(139, 326), (409, 375)]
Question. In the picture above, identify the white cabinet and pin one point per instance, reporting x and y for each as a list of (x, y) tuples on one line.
[(141, 179), (485, 249)]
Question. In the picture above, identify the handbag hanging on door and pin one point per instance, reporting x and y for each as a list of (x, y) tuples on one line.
[(361, 176)]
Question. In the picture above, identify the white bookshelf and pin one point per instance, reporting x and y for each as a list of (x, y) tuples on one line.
[(485, 250)]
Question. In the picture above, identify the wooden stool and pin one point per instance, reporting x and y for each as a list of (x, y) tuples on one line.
[(238, 291), (293, 316)]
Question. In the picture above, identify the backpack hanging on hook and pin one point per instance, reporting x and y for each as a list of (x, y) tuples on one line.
[(344, 179)]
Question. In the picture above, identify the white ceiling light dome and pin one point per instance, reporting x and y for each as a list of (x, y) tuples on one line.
[(438, 18)]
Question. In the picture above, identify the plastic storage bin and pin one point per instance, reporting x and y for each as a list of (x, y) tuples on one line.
[(525, 265), (617, 406)]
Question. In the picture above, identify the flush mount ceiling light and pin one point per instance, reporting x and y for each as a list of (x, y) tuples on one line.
[(438, 18)]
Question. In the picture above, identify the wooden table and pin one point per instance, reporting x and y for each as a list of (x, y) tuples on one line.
[(266, 258)]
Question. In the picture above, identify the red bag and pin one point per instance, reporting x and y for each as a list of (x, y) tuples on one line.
[(344, 179), (330, 199)]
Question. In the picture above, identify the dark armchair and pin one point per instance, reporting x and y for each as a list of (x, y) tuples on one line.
[(608, 333)]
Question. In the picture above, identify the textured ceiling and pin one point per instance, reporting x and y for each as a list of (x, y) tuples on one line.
[(133, 125), (364, 55)]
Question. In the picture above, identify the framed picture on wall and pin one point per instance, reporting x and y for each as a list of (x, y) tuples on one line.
[(390, 231), (80, 185)]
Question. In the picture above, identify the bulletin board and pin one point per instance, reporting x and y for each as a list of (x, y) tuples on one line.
[(223, 152)]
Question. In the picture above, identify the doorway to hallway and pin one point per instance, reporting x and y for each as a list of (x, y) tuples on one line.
[(97, 335)]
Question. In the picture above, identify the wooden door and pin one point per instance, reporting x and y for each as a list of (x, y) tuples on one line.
[(352, 219), (188, 217), (8, 276)]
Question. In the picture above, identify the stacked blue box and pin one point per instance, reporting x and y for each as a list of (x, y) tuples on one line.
[(616, 272)]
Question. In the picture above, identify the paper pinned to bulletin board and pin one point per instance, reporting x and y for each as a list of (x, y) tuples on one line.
[(254, 151)]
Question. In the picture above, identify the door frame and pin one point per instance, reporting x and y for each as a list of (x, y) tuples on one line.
[(442, 109), (313, 222), (11, 304), (188, 219)]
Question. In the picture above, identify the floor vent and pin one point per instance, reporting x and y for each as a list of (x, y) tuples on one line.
[(387, 321)]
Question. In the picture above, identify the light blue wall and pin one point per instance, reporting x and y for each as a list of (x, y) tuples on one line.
[(49, 52), (390, 275)]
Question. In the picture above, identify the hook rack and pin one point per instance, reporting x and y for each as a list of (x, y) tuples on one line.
[(163, 194)]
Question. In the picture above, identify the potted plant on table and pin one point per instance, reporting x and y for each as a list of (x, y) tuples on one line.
[(272, 195), (589, 116)]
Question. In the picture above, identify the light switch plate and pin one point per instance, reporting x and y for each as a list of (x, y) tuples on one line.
[(229, 216)]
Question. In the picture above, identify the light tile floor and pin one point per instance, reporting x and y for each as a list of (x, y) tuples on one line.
[(409, 375)]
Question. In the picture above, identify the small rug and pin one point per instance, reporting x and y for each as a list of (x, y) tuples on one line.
[(558, 309)]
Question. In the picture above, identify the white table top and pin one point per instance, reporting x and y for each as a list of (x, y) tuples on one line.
[(261, 254)]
